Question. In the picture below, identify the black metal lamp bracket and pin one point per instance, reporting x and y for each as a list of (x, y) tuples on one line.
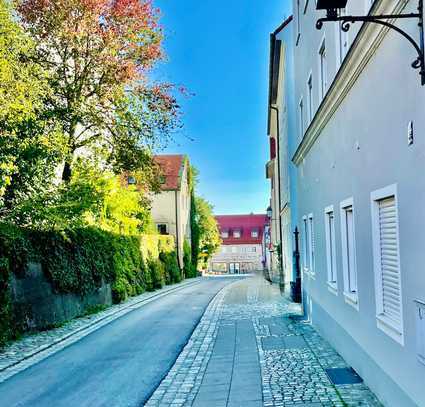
[(346, 21)]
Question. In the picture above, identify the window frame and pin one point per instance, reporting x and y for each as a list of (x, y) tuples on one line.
[(301, 117), (311, 245), (236, 233), (351, 296), (298, 22), (341, 36), (330, 236), (323, 68), (383, 322), (306, 242), (310, 108)]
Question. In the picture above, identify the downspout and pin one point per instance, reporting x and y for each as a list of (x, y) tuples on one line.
[(282, 275), (177, 233)]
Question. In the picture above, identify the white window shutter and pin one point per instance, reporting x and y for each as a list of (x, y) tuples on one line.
[(390, 270)]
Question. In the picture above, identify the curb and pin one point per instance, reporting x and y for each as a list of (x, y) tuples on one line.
[(96, 324)]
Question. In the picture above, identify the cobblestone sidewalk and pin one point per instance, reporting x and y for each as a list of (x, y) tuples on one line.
[(31, 349), (250, 349)]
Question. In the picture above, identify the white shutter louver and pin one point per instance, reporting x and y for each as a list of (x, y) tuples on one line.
[(390, 270)]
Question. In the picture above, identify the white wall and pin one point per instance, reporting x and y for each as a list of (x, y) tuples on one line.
[(357, 144)]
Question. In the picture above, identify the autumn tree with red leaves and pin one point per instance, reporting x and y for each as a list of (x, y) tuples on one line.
[(98, 54)]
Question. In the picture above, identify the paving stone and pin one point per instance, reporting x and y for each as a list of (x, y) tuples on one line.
[(252, 348)]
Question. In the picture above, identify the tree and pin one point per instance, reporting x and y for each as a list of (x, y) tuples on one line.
[(98, 54), (23, 87), (194, 227), (209, 235)]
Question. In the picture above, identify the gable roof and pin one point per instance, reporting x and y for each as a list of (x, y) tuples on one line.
[(172, 167), (245, 224)]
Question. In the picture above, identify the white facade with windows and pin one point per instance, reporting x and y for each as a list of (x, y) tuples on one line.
[(360, 193)]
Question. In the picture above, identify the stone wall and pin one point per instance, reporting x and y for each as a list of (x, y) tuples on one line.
[(36, 306)]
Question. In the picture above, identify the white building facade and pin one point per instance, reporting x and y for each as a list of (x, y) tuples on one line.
[(242, 245), (359, 152), (170, 208)]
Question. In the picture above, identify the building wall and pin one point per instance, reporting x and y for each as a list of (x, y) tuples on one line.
[(356, 144), (248, 256), (164, 212)]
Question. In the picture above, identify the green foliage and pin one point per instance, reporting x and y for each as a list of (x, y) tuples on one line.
[(79, 260), (24, 143), (171, 267), (98, 74), (209, 234), (157, 273), (189, 269)]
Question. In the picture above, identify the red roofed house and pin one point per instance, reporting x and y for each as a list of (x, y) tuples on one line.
[(242, 247), (171, 207)]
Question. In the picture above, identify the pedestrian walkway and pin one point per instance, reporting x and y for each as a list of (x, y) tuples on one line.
[(252, 349)]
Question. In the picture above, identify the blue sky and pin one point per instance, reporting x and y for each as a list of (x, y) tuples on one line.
[(219, 50)]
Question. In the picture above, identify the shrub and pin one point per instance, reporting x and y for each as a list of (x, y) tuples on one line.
[(157, 272), (172, 270), (188, 267), (79, 261)]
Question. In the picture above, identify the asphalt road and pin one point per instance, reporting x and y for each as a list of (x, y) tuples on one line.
[(120, 364)]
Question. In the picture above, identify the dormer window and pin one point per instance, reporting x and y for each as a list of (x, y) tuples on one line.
[(224, 234), (131, 180), (254, 233), (237, 234)]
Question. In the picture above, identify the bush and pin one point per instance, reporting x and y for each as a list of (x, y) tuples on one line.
[(157, 272), (172, 270), (79, 261), (189, 268)]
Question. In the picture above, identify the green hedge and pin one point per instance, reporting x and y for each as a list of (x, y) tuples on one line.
[(78, 261)]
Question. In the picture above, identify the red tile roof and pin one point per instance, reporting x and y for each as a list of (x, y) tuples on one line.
[(172, 167), (245, 224)]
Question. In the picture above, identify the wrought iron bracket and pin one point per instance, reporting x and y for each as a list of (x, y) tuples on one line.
[(346, 21)]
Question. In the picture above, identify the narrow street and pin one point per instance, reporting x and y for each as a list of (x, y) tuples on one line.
[(120, 364), (223, 342)]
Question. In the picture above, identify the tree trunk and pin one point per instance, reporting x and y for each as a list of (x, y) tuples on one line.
[(67, 172)]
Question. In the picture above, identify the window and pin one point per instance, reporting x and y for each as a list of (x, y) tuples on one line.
[(310, 98), (131, 180), (387, 262), (301, 118), (298, 21), (306, 242), (311, 259), (162, 228), (254, 249), (342, 40), (323, 69), (349, 252), (237, 234), (223, 249), (224, 234), (331, 247), (254, 233), (234, 249)]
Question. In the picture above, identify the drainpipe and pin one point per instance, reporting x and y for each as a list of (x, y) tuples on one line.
[(282, 274)]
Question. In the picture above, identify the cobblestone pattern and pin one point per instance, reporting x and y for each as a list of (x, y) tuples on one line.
[(292, 363), (31, 349), (182, 383), (296, 376)]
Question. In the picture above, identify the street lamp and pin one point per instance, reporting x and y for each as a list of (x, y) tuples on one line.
[(269, 213), (332, 6)]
